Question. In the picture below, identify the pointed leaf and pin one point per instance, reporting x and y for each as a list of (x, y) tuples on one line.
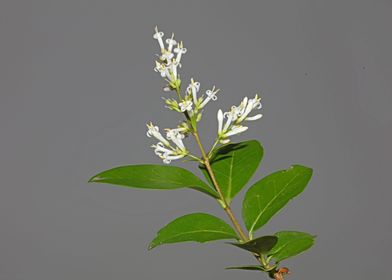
[(267, 196), (149, 176), (234, 165), (291, 243), (198, 227), (247, 267), (260, 245)]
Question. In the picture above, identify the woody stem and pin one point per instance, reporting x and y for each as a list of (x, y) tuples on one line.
[(226, 206)]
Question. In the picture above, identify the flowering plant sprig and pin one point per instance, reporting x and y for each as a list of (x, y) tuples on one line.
[(227, 168)]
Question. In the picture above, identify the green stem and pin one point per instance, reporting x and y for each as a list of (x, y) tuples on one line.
[(178, 91), (226, 205), (263, 261), (212, 148), (195, 158)]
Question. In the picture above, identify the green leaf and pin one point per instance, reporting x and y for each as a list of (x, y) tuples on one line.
[(199, 227), (247, 267), (149, 176), (291, 243), (234, 165), (267, 196), (260, 245)]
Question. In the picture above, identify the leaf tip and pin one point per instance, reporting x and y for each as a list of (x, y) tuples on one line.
[(94, 179), (152, 245), (91, 180), (303, 167)]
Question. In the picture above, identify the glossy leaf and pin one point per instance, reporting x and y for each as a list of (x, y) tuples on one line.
[(260, 245), (149, 176), (290, 243), (247, 267), (234, 165), (267, 196), (198, 227)]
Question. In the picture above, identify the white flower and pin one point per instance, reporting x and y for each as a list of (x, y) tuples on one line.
[(241, 108), (161, 68), (166, 55), (154, 131), (158, 36), (180, 50), (193, 89), (220, 121), (211, 94), (166, 154), (171, 71), (235, 117), (160, 149), (231, 116), (251, 105), (186, 105), (255, 117), (235, 129), (224, 141), (176, 137), (171, 42)]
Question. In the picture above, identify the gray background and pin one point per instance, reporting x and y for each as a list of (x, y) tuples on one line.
[(77, 87)]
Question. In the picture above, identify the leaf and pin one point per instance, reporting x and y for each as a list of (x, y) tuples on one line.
[(260, 245), (247, 267), (198, 227), (291, 243), (267, 196), (149, 176), (234, 165)]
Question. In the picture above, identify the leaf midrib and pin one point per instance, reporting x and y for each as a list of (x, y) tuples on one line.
[(199, 231), (271, 201), (230, 178), (178, 183)]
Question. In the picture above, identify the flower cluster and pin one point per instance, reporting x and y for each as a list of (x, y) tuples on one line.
[(192, 104), (167, 62), (163, 148), (235, 117)]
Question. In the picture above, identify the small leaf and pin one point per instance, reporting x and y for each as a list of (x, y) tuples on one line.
[(199, 227), (267, 196), (291, 243), (260, 245), (247, 267), (149, 176), (234, 165)]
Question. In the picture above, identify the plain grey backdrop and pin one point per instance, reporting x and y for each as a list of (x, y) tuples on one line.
[(77, 86)]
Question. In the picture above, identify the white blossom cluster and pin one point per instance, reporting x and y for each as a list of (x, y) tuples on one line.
[(166, 151), (168, 63), (192, 104), (235, 117)]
